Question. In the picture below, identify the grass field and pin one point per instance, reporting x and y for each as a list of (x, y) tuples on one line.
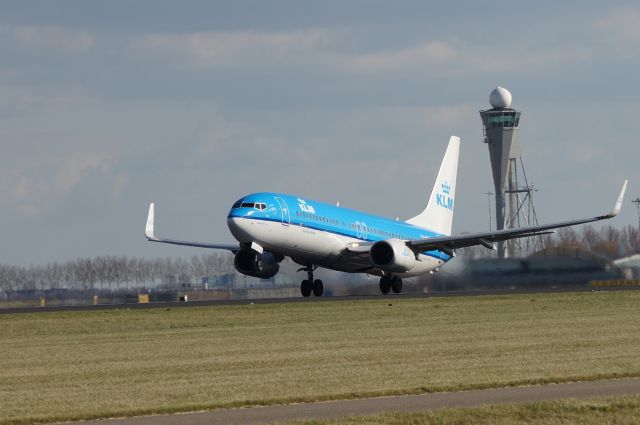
[(72, 365), (620, 411)]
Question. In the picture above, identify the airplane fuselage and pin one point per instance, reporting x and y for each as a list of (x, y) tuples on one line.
[(312, 232)]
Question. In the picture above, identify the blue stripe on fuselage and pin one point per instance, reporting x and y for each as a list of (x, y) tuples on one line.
[(332, 219)]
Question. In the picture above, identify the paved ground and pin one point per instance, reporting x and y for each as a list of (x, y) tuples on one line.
[(416, 403), (178, 304)]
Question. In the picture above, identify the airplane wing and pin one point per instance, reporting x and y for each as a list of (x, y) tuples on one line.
[(149, 233), (449, 243)]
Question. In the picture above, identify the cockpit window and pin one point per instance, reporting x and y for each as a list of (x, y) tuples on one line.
[(257, 205)]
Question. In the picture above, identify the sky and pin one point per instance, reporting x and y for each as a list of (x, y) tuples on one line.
[(106, 106)]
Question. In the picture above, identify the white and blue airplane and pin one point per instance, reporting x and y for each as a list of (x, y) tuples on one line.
[(272, 226)]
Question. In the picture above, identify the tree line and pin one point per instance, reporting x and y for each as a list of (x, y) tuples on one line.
[(114, 273)]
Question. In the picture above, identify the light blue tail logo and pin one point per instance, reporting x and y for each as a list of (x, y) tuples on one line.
[(443, 199)]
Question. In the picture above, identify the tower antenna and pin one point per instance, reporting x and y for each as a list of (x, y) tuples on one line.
[(489, 195), (637, 202)]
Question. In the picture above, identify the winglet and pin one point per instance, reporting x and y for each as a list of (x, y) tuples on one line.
[(618, 205), (148, 230)]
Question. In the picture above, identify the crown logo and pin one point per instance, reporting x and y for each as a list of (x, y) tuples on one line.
[(446, 189)]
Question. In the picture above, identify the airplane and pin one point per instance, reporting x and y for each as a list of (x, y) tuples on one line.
[(271, 226)]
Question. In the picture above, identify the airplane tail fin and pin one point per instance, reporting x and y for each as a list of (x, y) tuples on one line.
[(438, 215)]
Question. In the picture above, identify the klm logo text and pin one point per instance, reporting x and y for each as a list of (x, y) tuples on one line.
[(443, 199), (306, 207)]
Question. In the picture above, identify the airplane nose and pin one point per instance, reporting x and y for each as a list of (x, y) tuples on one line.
[(237, 227), (233, 223)]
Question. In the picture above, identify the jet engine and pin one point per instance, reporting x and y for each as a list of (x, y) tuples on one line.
[(254, 264), (392, 255)]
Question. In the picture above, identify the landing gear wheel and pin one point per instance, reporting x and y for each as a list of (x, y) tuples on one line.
[(305, 288), (318, 288), (396, 284), (385, 285), (309, 284)]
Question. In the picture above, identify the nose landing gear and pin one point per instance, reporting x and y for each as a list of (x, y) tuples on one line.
[(310, 285)]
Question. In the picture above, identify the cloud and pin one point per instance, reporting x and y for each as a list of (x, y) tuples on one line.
[(119, 185), (217, 135), (37, 39), (621, 23), (466, 57), (313, 47), (70, 171), (28, 189), (620, 32), (21, 188), (428, 54), (581, 154), (449, 116), (28, 210), (229, 49), (524, 58), (341, 50)]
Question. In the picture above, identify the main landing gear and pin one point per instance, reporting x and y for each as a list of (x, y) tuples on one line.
[(388, 283), (309, 285)]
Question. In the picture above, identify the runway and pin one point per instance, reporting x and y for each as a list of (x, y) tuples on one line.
[(390, 297), (405, 404)]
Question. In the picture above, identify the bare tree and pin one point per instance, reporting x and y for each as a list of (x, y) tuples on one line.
[(630, 240), (197, 268), (567, 237), (610, 243), (590, 237)]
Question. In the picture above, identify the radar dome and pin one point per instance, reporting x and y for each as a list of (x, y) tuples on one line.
[(500, 98)]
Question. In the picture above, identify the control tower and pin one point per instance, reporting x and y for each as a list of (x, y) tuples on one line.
[(501, 135)]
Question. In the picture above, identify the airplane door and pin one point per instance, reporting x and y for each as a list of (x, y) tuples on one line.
[(286, 218)]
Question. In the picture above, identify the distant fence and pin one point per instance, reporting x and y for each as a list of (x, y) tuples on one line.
[(614, 282)]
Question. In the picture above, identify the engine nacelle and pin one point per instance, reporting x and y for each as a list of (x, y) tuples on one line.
[(392, 255), (254, 264)]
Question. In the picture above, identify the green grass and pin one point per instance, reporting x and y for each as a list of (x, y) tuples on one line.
[(619, 411), (73, 365)]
